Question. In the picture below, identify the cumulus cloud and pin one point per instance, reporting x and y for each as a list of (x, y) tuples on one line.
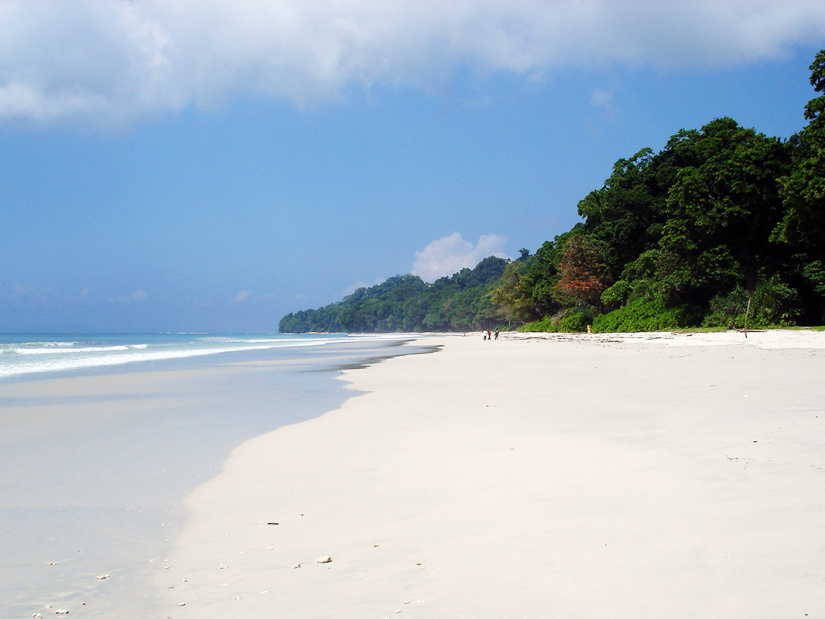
[(114, 61), (450, 254)]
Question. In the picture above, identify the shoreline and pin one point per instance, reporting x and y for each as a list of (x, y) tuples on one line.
[(632, 475), (96, 463)]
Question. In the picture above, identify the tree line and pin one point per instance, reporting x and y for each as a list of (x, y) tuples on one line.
[(722, 225), (460, 302)]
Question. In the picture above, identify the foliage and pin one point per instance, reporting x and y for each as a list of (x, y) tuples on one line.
[(803, 187), (617, 294), (545, 325), (571, 320), (513, 292), (529, 287), (576, 320), (406, 303), (622, 214), (646, 315), (686, 236), (773, 304), (581, 270), (720, 215), (722, 210)]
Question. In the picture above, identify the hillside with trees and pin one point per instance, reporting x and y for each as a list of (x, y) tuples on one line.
[(406, 303), (724, 222)]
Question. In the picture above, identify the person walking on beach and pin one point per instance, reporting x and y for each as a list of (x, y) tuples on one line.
[(497, 332)]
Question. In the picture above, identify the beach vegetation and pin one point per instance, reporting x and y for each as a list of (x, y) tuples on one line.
[(724, 222), (646, 315), (546, 324), (773, 303), (405, 303), (723, 225), (569, 320), (803, 187), (576, 320)]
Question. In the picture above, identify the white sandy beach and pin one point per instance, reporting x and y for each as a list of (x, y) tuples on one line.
[(655, 475)]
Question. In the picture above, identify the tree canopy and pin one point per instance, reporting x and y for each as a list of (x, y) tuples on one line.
[(406, 303), (688, 235), (720, 217)]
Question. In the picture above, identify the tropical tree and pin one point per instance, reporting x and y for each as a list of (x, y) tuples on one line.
[(804, 186), (582, 271), (722, 211), (621, 213)]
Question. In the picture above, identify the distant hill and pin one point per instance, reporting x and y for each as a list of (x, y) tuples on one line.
[(405, 303)]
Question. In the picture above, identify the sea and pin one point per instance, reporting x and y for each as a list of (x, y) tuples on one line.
[(102, 437), (22, 355)]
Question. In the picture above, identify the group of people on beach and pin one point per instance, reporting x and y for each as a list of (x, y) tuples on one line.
[(489, 336)]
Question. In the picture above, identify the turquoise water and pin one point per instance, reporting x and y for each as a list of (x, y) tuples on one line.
[(103, 436)]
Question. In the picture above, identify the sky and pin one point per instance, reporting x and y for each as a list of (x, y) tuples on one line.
[(210, 166)]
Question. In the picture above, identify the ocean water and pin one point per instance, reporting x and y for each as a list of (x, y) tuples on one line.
[(103, 436), (22, 355)]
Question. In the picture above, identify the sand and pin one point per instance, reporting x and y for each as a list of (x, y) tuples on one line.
[(94, 466), (662, 475)]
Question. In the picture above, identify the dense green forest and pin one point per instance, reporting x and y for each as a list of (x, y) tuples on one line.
[(723, 222), (460, 302)]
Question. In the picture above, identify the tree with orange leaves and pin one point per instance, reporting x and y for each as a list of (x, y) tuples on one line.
[(581, 270)]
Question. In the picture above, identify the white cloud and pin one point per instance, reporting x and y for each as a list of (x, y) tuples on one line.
[(139, 295), (450, 254), (114, 61), (243, 295)]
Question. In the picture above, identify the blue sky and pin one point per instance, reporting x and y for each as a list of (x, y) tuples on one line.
[(211, 166)]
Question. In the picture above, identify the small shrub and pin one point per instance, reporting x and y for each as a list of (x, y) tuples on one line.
[(728, 310), (646, 315), (575, 320), (544, 325), (774, 304), (571, 320), (617, 294)]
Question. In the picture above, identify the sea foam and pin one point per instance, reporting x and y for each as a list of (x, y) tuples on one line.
[(29, 356)]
